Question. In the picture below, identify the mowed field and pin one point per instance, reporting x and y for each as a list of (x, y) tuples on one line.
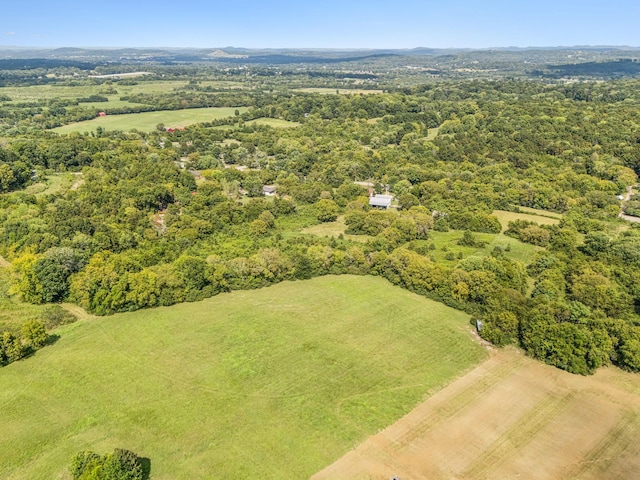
[(512, 417), (147, 121), (48, 91), (341, 91), (549, 218), (274, 383)]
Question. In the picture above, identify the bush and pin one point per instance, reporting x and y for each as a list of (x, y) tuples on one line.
[(119, 465), (55, 316)]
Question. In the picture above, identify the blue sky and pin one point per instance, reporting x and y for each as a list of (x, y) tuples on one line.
[(327, 24)]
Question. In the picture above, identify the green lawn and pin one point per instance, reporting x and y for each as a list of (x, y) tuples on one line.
[(506, 217), (542, 213), (334, 229), (267, 384), (272, 122), (333, 91), (53, 183), (14, 313), (37, 92), (446, 242), (147, 121)]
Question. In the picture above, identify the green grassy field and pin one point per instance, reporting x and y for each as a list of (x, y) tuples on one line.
[(333, 91), (272, 122), (268, 384), (37, 92), (542, 213), (506, 217), (446, 242), (14, 313), (334, 229), (53, 183), (147, 121)]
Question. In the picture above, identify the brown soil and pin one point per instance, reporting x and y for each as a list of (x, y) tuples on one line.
[(511, 417)]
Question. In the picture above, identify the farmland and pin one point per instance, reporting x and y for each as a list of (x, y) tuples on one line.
[(510, 418), (273, 383), (341, 91), (506, 217), (147, 121), (61, 91)]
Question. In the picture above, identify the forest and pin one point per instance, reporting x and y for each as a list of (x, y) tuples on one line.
[(157, 218)]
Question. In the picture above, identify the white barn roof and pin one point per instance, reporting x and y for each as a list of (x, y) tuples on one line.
[(381, 201)]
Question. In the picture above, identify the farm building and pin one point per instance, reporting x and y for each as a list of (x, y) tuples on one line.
[(381, 201), (269, 190)]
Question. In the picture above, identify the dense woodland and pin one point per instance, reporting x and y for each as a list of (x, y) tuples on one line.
[(137, 230)]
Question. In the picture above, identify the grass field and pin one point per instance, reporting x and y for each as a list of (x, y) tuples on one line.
[(271, 384), (14, 313), (512, 417), (506, 217), (445, 242), (542, 213), (272, 122), (54, 183), (334, 229), (333, 91), (37, 92), (147, 121)]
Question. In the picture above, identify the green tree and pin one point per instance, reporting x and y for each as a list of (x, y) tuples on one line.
[(34, 334), (327, 210)]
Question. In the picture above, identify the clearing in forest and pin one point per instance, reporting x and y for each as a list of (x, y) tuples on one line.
[(273, 383), (147, 121), (511, 417), (506, 217), (334, 91)]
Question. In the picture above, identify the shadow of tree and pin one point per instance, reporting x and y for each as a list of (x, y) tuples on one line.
[(145, 463)]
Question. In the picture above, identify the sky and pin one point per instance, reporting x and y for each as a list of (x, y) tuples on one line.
[(326, 24)]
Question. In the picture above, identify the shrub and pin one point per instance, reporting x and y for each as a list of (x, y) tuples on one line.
[(119, 465)]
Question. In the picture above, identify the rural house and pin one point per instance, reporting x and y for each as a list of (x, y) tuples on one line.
[(381, 201), (269, 190)]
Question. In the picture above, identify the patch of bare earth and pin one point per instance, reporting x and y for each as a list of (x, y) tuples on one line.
[(511, 417)]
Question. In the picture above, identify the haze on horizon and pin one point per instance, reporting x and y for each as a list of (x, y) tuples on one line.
[(331, 24)]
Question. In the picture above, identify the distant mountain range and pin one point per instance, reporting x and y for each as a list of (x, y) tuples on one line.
[(267, 55)]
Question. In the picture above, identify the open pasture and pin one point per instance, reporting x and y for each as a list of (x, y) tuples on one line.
[(511, 417), (334, 230), (62, 91), (506, 217), (271, 122), (275, 383), (147, 121), (14, 313), (446, 249), (341, 91), (446, 246)]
